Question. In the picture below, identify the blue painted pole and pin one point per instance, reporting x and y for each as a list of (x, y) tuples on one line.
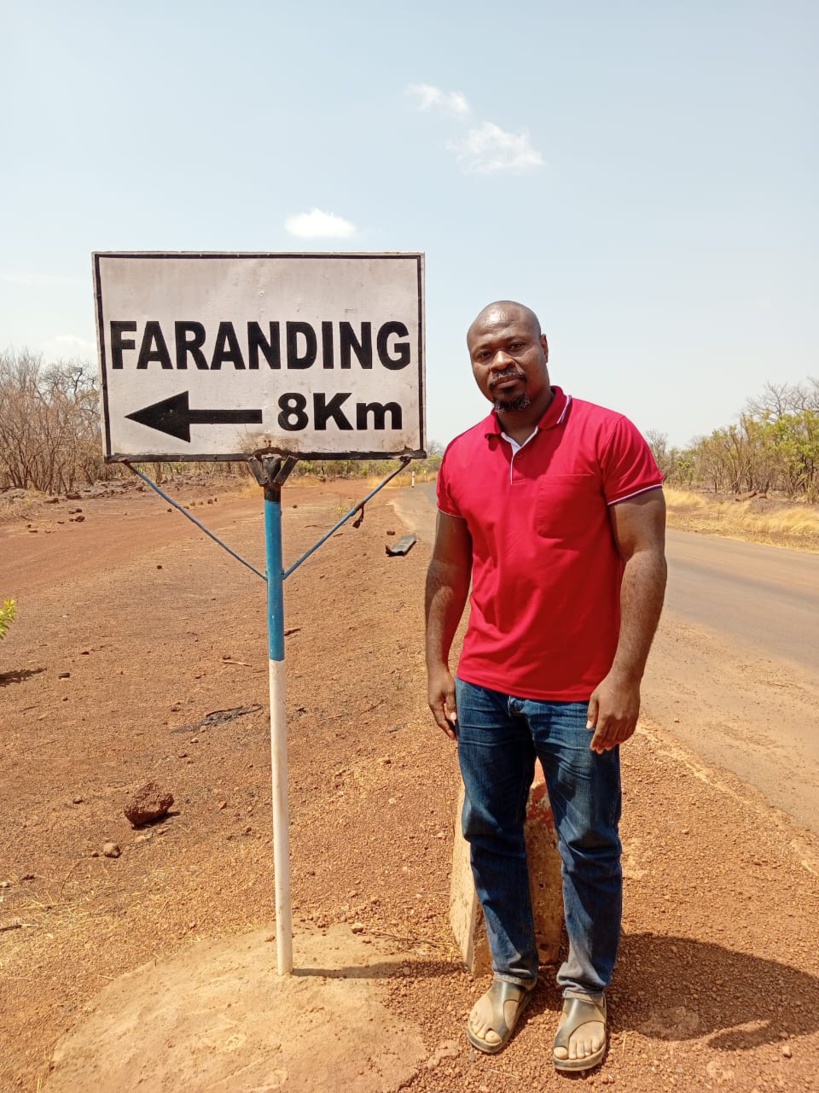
[(278, 726)]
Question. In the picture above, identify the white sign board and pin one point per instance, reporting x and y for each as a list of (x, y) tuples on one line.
[(215, 356)]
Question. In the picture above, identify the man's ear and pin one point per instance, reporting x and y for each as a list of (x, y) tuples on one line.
[(545, 346)]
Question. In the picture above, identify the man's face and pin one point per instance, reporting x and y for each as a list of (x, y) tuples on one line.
[(509, 359)]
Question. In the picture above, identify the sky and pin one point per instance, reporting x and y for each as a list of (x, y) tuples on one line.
[(642, 174)]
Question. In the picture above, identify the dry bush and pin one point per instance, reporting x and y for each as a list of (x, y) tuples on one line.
[(49, 436)]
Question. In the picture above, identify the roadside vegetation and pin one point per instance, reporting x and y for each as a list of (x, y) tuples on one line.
[(773, 448), (49, 439), (758, 518), (757, 479), (8, 609)]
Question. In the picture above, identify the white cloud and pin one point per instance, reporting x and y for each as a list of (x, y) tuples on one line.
[(486, 147), (490, 148), (451, 104), (319, 225)]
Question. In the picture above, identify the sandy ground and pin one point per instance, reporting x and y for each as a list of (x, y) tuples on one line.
[(132, 628)]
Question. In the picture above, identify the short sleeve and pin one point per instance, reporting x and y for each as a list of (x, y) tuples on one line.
[(446, 502), (628, 466)]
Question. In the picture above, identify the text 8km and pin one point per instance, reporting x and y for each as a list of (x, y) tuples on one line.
[(294, 416)]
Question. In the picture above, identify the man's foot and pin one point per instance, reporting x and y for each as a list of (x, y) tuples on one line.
[(580, 1042), (494, 1016)]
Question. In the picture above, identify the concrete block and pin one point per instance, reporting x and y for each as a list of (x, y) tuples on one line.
[(465, 914)]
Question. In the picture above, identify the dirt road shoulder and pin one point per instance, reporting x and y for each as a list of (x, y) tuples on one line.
[(718, 981)]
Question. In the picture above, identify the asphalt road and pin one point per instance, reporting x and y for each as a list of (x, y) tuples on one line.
[(734, 672), (735, 667), (762, 596)]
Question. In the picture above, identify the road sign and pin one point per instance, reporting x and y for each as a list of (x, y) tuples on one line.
[(215, 356)]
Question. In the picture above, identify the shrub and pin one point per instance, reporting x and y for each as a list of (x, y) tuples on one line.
[(7, 613)]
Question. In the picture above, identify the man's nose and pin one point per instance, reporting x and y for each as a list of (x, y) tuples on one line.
[(501, 361)]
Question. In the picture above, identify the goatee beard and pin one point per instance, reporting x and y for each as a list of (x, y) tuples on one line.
[(509, 406)]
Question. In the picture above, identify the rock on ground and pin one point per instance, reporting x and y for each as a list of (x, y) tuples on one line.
[(150, 802)]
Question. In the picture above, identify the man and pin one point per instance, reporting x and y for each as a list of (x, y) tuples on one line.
[(552, 507)]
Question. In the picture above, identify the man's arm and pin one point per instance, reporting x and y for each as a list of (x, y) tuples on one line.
[(447, 588), (639, 531)]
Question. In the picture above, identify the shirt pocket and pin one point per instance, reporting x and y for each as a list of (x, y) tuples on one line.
[(566, 505)]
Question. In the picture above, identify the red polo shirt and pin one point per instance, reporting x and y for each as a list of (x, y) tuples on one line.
[(545, 569)]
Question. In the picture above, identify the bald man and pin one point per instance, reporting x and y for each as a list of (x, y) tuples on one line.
[(552, 509)]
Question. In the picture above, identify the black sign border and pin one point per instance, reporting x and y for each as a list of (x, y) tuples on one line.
[(241, 457)]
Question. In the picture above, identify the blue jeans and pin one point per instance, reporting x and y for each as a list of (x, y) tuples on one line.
[(499, 737)]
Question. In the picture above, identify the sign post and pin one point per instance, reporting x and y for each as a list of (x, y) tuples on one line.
[(264, 358), (276, 473)]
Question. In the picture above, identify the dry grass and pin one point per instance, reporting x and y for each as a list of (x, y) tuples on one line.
[(18, 505), (756, 519), (683, 500)]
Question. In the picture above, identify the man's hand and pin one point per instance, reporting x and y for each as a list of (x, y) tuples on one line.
[(441, 698), (613, 711)]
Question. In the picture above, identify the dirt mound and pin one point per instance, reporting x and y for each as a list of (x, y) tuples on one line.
[(217, 1017)]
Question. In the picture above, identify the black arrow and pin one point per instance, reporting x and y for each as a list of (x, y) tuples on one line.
[(174, 416)]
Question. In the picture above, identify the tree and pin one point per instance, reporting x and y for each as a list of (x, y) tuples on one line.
[(780, 399), (795, 438), (50, 435)]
